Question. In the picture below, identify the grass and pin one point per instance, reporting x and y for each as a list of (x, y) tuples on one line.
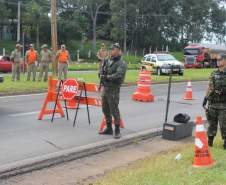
[(22, 86), (9, 87), (163, 169)]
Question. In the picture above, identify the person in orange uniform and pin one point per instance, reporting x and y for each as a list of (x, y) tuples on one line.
[(63, 58), (31, 58)]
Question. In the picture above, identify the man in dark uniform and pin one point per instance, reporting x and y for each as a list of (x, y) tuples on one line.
[(112, 76), (216, 98)]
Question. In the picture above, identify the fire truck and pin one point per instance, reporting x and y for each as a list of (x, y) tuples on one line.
[(202, 55)]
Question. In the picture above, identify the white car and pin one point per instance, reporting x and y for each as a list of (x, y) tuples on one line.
[(162, 64)]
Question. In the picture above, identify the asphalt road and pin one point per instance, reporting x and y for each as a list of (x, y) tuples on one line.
[(22, 136)]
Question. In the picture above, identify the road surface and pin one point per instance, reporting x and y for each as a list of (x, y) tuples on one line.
[(22, 136)]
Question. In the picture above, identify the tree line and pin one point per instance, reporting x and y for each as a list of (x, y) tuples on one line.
[(148, 24)]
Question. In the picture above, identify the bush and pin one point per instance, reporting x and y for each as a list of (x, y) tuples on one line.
[(8, 45), (131, 59), (178, 55), (84, 49)]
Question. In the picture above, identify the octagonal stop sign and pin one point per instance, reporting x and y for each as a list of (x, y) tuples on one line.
[(69, 89)]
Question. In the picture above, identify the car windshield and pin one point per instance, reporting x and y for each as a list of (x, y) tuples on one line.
[(191, 51), (165, 57)]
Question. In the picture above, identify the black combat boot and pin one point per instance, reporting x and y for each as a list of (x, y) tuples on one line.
[(210, 141), (108, 130), (117, 132), (224, 146)]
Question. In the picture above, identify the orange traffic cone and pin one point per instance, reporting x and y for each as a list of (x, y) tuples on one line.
[(144, 92), (202, 156), (188, 93), (103, 124)]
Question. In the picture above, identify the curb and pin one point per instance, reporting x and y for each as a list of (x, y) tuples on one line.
[(124, 85), (48, 160)]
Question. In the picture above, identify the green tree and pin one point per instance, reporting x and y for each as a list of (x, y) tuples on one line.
[(93, 8), (34, 16), (4, 14)]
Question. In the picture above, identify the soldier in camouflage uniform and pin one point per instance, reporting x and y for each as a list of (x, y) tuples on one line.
[(16, 59), (112, 76), (45, 60), (102, 54), (216, 98)]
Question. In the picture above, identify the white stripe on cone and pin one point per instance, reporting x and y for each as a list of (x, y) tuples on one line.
[(147, 75), (200, 128), (198, 143), (188, 89), (143, 85)]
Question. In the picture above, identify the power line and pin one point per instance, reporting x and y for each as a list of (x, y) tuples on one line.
[(22, 4)]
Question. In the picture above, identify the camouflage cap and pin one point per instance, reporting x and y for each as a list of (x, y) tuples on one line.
[(63, 46), (31, 45), (18, 46), (44, 46), (115, 45)]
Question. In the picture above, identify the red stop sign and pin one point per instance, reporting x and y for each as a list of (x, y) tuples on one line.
[(69, 89)]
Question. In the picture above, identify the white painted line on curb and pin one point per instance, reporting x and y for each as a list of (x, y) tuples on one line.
[(125, 87)]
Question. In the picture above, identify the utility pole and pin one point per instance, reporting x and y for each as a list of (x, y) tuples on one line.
[(54, 35), (18, 22), (125, 25)]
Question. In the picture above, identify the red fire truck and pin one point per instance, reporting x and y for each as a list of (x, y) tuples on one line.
[(202, 55)]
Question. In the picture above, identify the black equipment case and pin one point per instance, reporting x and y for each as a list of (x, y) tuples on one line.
[(175, 131)]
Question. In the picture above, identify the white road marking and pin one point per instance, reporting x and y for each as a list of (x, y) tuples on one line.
[(25, 95), (37, 112), (24, 114)]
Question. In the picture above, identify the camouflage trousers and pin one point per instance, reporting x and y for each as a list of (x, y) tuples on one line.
[(215, 116), (16, 71), (44, 69), (110, 103), (31, 69), (62, 69)]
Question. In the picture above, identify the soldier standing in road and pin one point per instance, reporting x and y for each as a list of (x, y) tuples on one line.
[(112, 76), (45, 60), (63, 58), (102, 54), (31, 58), (16, 59), (216, 98)]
